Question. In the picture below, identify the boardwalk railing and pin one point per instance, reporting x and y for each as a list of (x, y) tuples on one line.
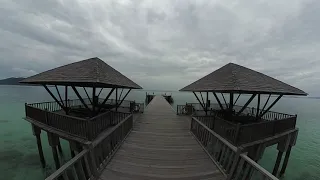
[(235, 164), (88, 164)]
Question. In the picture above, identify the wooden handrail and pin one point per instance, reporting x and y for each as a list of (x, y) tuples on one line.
[(67, 165), (232, 147), (257, 167), (89, 159), (230, 160)]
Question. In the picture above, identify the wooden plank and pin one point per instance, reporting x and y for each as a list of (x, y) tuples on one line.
[(161, 147)]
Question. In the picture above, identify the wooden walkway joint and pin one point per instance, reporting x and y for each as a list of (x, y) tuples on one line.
[(160, 146)]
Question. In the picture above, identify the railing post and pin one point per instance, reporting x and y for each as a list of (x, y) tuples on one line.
[(234, 164), (237, 133)]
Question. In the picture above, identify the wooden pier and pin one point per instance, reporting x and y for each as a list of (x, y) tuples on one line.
[(109, 140), (160, 146)]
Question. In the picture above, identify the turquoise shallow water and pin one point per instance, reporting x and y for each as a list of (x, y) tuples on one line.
[(18, 150)]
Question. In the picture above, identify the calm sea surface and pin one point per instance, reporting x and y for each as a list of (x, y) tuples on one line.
[(19, 156)]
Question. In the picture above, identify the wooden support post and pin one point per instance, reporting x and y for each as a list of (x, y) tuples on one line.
[(285, 162), (277, 164), (60, 149), (55, 157), (42, 160), (37, 132), (53, 142)]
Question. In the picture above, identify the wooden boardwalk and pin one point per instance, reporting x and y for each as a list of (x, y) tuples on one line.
[(160, 146)]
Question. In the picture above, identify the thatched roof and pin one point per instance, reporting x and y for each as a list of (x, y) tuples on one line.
[(87, 73), (233, 78)]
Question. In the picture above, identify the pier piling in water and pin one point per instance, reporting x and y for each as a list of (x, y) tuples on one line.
[(37, 132), (53, 142)]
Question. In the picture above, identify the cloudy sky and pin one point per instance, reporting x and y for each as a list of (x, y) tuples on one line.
[(164, 44)]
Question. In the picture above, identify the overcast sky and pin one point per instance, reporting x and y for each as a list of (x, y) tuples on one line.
[(164, 44)]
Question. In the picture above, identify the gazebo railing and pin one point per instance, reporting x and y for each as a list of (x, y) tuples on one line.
[(80, 127), (238, 134), (196, 107), (230, 160)]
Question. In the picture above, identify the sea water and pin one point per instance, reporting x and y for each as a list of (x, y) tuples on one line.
[(19, 155)]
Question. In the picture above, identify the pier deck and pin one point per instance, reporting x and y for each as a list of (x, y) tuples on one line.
[(160, 146)]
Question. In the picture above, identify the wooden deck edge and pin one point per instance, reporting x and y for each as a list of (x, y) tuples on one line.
[(204, 149), (58, 132)]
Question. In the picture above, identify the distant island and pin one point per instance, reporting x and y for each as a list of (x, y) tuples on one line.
[(12, 81)]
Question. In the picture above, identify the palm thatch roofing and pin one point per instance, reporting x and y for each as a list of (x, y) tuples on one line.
[(233, 78), (91, 72)]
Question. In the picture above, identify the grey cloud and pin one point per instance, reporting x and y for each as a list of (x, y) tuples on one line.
[(164, 44)]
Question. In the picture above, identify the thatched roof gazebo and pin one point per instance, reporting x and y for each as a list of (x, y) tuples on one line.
[(235, 79), (90, 73)]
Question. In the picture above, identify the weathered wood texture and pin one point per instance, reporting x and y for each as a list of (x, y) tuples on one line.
[(160, 146)]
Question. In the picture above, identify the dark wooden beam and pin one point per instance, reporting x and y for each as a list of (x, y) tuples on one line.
[(265, 103), (87, 94), (105, 100), (199, 100), (218, 100), (124, 97), (48, 90), (285, 162), (277, 164), (274, 102), (246, 105), (207, 101), (237, 99), (202, 99), (231, 102), (93, 103), (224, 100), (116, 99), (100, 92), (59, 95), (258, 106), (42, 160), (121, 94), (66, 99), (80, 98)]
